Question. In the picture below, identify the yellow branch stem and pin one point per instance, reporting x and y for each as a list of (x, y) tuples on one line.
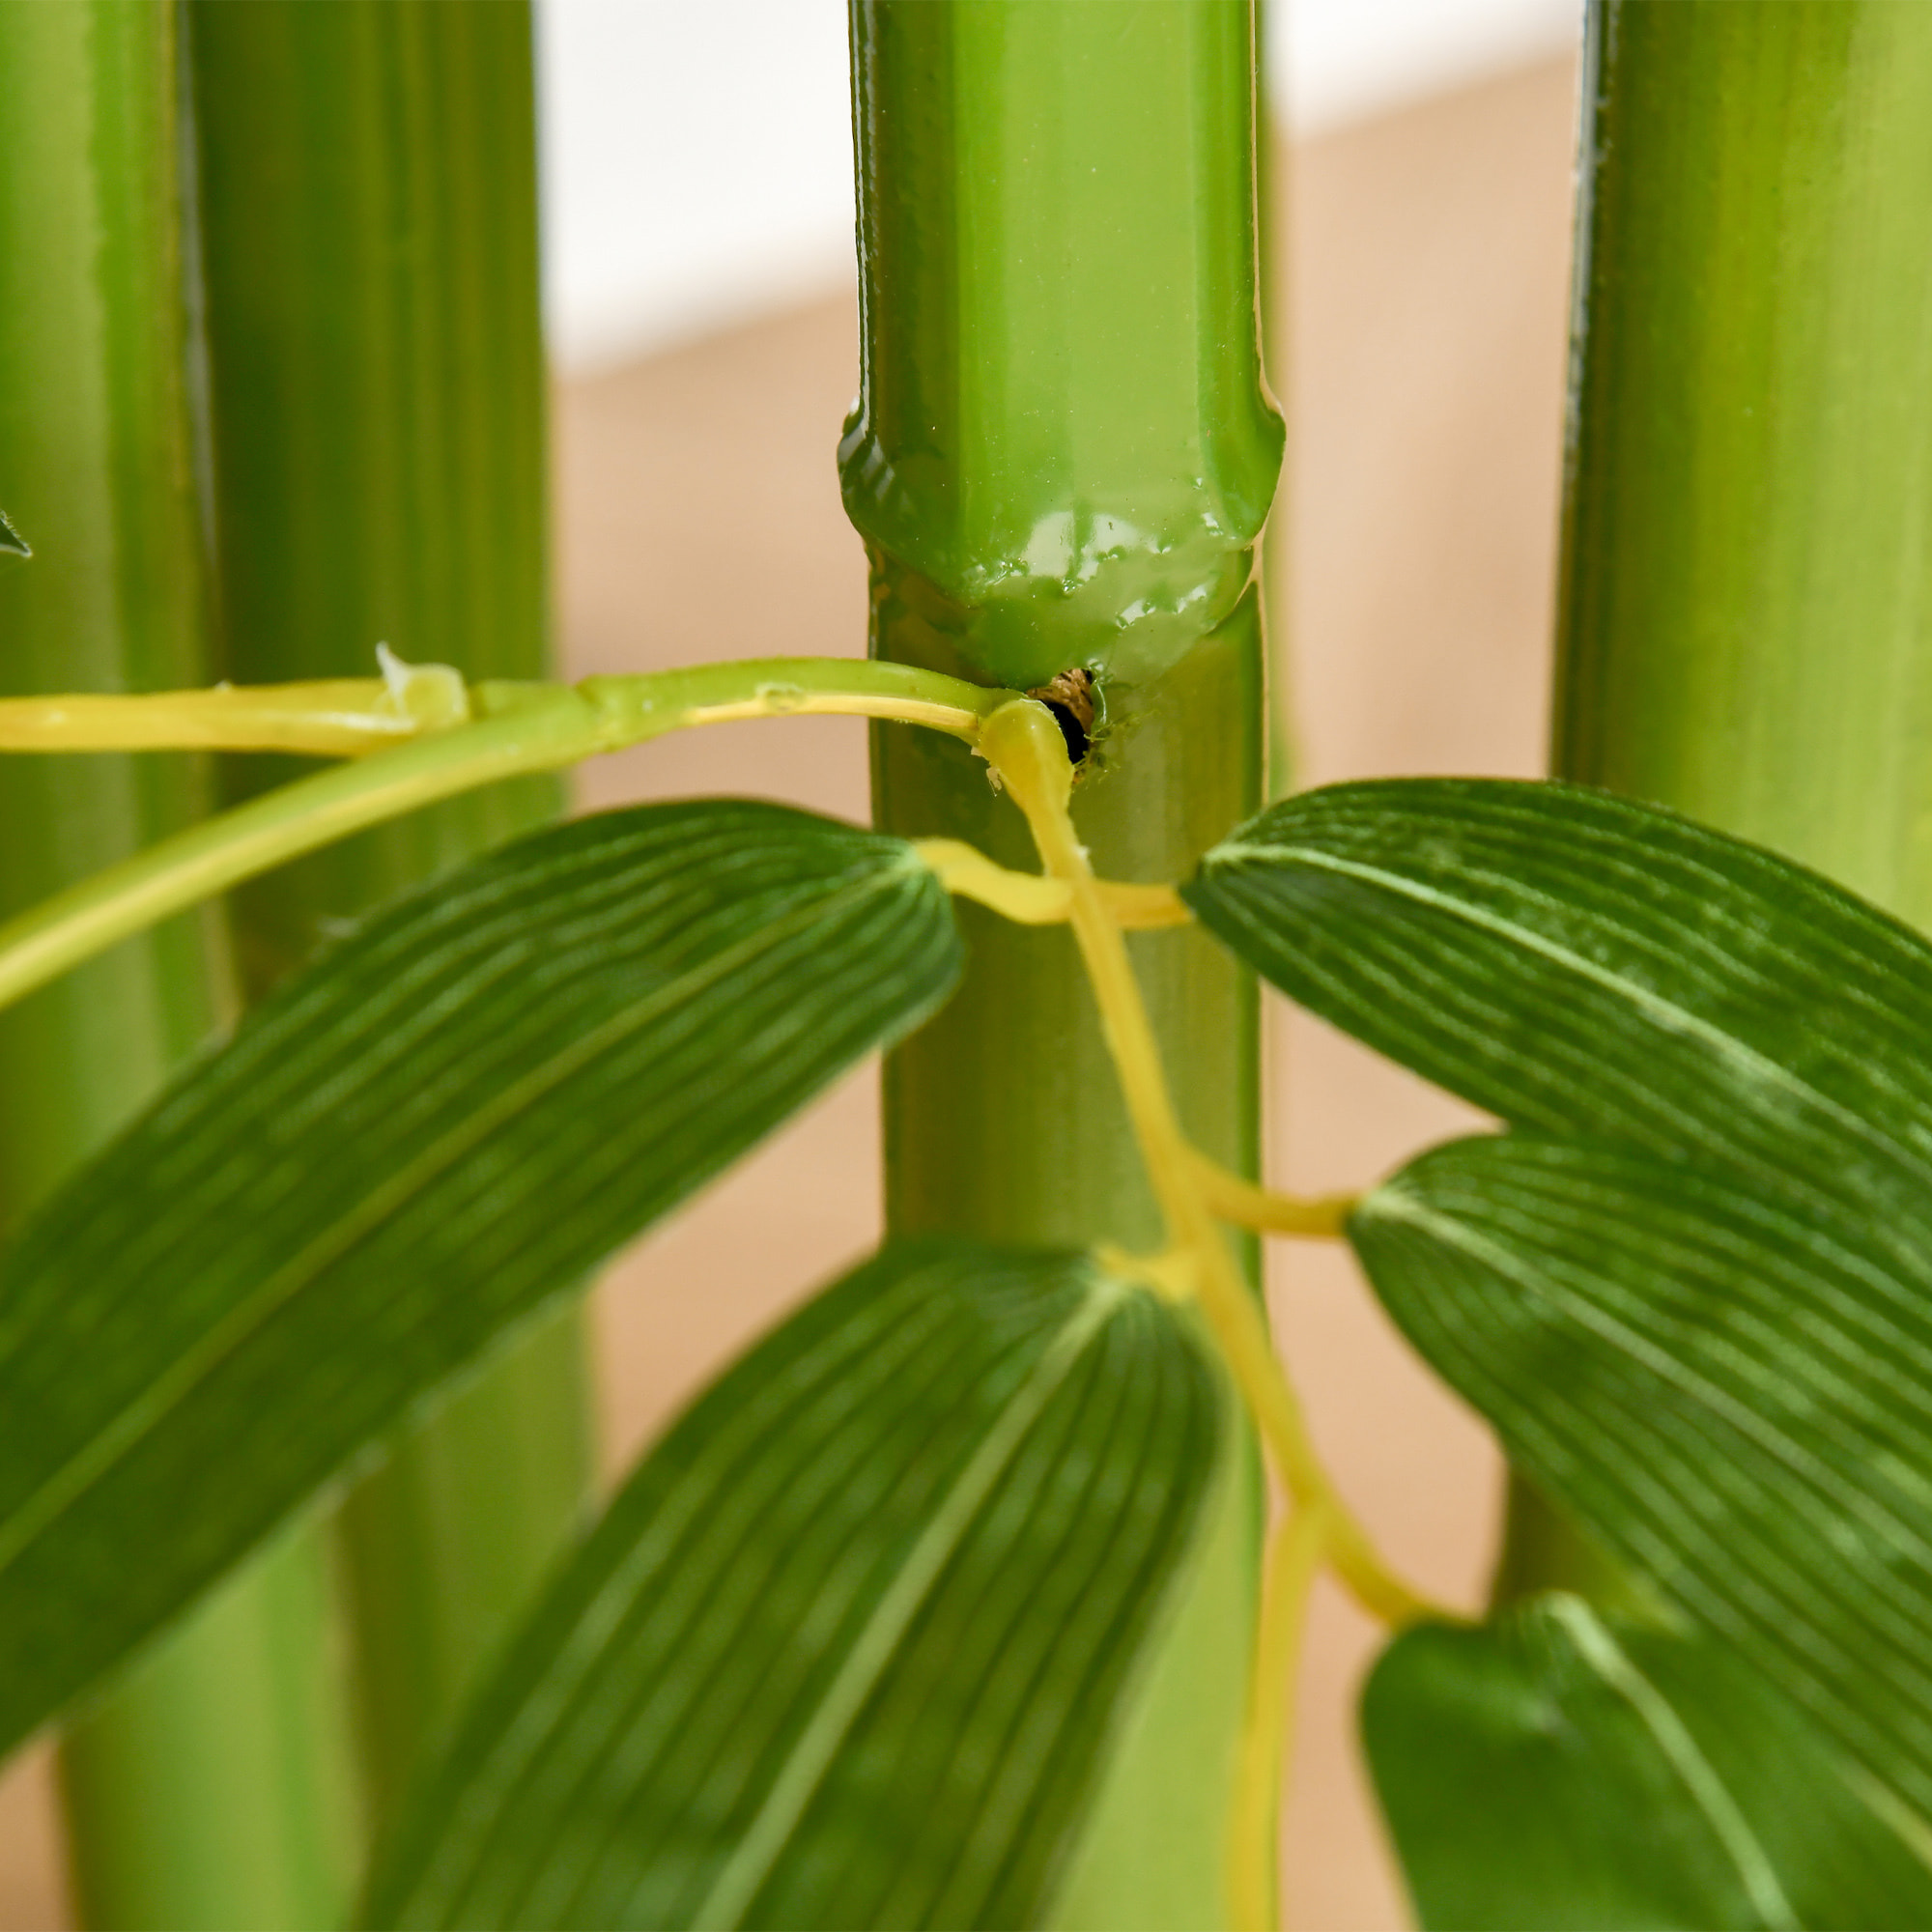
[(453, 738), (1025, 745), (1026, 748), (338, 717), (353, 717), (1028, 899), (1295, 1555), (1318, 1217)]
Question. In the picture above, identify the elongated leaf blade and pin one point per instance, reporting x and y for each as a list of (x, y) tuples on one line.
[(444, 1124), (1558, 1771), (1577, 963), (846, 1649), (1733, 1397), (11, 542)]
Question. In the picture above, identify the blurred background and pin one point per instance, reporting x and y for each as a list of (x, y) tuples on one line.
[(697, 161), (700, 299)]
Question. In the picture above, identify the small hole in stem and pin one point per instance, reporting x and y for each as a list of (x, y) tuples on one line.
[(1070, 697)]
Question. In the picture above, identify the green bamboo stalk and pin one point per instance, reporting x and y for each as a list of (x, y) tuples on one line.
[(210, 1788), (1747, 583), (368, 198), (1061, 459)]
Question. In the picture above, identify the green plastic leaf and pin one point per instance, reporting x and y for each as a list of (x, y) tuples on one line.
[(1557, 1771), (1703, 1330), (448, 1120), (1733, 1397), (847, 1649), (11, 542), (1577, 963)]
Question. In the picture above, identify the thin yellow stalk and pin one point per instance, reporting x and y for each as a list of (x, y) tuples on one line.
[(537, 728), (1294, 1556), (1026, 748)]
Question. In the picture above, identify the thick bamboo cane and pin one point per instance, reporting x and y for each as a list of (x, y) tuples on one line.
[(368, 189), (1746, 589), (1061, 462), (210, 1787)]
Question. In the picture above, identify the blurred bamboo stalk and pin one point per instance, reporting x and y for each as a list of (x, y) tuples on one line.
[(368, 197), (1746, 603), (210, 1786)]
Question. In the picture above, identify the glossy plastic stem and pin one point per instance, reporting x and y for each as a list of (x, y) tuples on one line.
[(518, 730), (1061, 458), (368, 201), (1747, 584), (210, 1786)]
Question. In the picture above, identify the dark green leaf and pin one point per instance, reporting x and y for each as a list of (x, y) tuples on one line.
[(11, 542), (1559, 1773), (1733, 1397), (446, 1121), (847, 1650), (1577, 963)]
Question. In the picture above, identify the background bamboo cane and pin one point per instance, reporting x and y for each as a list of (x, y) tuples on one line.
[(211, 1788), (368, 189), (1746, 604), (1061, 459)]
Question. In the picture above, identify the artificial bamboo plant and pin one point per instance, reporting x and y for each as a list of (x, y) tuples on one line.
[(940, 1605)]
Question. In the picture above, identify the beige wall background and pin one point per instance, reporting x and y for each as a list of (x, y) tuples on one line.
[(1425, 266)]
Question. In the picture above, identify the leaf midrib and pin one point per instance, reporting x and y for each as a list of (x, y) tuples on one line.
[(1699, 1777), (811, 1755)]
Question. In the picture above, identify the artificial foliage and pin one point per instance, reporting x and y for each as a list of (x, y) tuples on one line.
[(972, 1592)]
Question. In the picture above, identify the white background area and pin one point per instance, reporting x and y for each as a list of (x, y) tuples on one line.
[(697, 154)]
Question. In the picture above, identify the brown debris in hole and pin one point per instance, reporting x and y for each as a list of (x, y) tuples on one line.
[(1070, 697), (1072, 689)]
